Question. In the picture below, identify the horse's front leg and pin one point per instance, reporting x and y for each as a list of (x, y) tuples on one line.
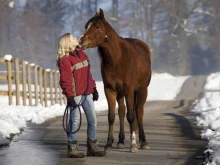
[(121, 112), (130, 117), (111, 98)]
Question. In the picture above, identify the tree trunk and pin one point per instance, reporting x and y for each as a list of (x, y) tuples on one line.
[(115, 19)]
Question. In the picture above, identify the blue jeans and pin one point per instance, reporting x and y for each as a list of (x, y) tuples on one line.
[(74, 121)]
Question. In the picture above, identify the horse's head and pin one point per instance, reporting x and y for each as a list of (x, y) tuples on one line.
[(95, 32)]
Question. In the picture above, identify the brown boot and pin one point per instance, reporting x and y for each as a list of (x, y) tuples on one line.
[(72, 150), (92, 149)]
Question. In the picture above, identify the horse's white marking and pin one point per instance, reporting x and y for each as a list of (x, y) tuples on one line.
[(133, 138), (85, 31), (89, 26), (80, 37)]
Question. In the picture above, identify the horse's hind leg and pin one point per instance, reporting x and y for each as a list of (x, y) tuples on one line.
[(141, 99), (129, 97), (121, 112), (111, 98)]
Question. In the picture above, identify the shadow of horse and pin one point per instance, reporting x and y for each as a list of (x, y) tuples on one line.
[(126, 73)]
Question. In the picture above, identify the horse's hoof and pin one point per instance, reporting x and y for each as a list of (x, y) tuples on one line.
[(120, 145), (144, 146), (134, 148), (108, 148)]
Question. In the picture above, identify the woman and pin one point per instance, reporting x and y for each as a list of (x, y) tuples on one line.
[(77, 83)]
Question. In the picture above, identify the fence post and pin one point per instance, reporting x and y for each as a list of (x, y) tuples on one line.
[(36, 85), (9, 81), (45, 86), (60, 95), (29, 84), (17, 81), (40, 85), (60, 92), (64, 100), (24, 82), (51, 87), (56, 86)]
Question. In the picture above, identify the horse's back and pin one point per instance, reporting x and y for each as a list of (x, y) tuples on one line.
[(141, 48)]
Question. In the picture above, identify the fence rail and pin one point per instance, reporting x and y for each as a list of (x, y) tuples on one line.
[(29, 84)]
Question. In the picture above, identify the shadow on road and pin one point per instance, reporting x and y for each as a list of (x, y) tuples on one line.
[(191, 132)]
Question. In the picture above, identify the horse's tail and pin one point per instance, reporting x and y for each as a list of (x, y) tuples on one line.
[(135, 112)]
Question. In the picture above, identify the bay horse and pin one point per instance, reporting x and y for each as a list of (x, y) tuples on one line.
[(126, 74)]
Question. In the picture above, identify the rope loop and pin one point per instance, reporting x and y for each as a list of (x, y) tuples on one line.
[(81, 102)]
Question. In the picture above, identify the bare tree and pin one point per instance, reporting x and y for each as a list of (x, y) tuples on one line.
[(115, 17)]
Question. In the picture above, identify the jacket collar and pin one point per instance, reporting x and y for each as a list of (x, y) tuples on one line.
[(74, 53)]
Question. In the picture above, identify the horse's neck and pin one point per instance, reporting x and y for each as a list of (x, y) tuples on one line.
[(110, 53), (106, 56)]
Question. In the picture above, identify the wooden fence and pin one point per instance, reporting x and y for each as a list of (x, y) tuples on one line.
[(29, 84)]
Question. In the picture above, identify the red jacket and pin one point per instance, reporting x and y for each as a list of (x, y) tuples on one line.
[(73, 74)]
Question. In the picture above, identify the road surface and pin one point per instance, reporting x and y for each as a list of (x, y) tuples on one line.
[(170, 129)]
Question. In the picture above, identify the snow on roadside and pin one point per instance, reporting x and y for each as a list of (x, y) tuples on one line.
[(208, 116), (14, 118), (164, 86)]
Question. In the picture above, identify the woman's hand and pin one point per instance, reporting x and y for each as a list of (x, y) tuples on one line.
[(95, 94), (70, 101)]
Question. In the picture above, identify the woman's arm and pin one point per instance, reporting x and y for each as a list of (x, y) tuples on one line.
[(66, 77)]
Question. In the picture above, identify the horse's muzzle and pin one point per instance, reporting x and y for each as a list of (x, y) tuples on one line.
[(80, 41), (84, 43)]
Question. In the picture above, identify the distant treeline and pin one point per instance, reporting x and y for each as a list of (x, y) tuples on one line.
[(183, 35)]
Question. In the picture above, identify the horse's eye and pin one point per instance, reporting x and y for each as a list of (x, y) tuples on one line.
[(97, 27)]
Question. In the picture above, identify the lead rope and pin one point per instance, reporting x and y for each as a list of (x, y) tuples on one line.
[(81, 102)]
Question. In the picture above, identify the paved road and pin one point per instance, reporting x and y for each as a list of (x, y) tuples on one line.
[(169, 126)]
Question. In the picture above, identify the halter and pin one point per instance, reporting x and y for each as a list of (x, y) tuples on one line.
[(92, 40), (100, 32)]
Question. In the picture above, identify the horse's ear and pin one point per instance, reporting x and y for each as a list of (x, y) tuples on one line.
[(96, 14), (101, 13)]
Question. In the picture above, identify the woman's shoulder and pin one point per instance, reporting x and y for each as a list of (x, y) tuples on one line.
[(65, 60)]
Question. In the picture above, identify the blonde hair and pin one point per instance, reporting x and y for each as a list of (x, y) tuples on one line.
[(64, 46)]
